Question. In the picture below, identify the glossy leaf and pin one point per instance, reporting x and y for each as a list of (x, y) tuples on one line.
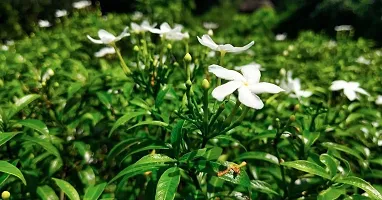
[(207, 153), (152, 123), (22, 103), (105, 99), (331, 193), (8, 168), (67, 188), (6, 136), (44, 144), (161, 95), (176, 136), (35, 125), (330, 163), (168, 184), (94, 192), (360, 183), (263, 187), (45, 192), (342, 148), (125, 118), (307, 166), (226, 137), (257, 155)]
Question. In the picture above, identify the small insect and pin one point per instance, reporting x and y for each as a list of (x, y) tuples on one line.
[(234, 167)]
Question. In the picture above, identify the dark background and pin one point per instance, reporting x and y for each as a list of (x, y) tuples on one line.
[(18, 17)]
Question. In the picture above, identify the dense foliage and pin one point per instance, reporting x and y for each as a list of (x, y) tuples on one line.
[(76, 126)]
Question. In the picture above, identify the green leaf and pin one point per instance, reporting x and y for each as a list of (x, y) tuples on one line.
[(46, 193), (94, 192), (122, 120), (226, 137), (331, 193), (8, 168), (161, 95), (144, 146), (330, 163), (342, 148), (153, 123), (360, 183), (257, 155), (309, 167), (105, 99), (54, 166), (74, 88), (176, 136), (5, 176), (6, 136), (44, 144), (207, 153), (168, 184), (147, 163), (122, 146), (35, 125), (87, 176), (263, 187), (67, 188), (22, 103)]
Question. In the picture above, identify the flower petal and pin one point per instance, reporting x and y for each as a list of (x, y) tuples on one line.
[(106, 37), (362, 91), (350, 94), (265, 87), (226, 89), (165, 27), (249, 99), (240, 49), (123, 34), (94, 40), (338, 85), (226, 74), (251, 74), (302, 93), (207, 41)]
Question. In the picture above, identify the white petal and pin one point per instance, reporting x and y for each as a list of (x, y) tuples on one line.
[(338, 85), (226, 89), (207, 41), (305, 94), (251, 74), (135, 27), (165, 27), (362, 91), (123, 34), (94, 40), (224, 73), (265, 87), (249, 99), (350, 94), (106, 37), (240, 49)]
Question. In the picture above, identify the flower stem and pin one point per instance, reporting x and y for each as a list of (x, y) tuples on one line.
[(229, 119), (125, 69)]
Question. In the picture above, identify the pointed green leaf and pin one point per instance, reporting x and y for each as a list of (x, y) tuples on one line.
[(46, 193), (207, 153), (144, 146), (35, 125), (168, 184), (263, 187), (360, 183), (330, 163), (309, 167), (44, 144), (331, 193), (12, 170), (67, 188), (342, 148), (125, 118), (176, 136), (161, 95), (94, 192), (122, 146), (22, 103), (226, 137), (6, 136), (87, 176), (105, 99), (257, 155), (152, 123), (54, 166)]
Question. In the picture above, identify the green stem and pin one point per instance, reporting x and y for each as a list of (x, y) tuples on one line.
[(205, 118), (229, 119), (125, 69)]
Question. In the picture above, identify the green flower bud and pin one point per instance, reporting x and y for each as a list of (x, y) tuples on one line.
[(188, 83), (176, 64), (205, 84), (188, 57), (136, 48), (292, 118), (169, 46), (56, 84)]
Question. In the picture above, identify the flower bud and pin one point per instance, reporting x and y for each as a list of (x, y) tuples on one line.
[(176, 64), (5, 195), (169, 46), (297, 107), (188, 83), (136, 48), (188, 57), (292, 118), (205, 84), (210, 32), (56, 84)]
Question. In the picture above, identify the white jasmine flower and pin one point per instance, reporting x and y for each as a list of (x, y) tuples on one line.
[(343, 28), (281, 37), (4, 47), (248, 85), (208, 42), (104, 51), (168, 33), (108, 38), (61, 13), (81, 4), (210, 32), (350, 89), (253, 64), (136, 16), (44, 23), (293, 86), (363, 60), (145, 26), (210, 25), (49, 73), (379, 100)]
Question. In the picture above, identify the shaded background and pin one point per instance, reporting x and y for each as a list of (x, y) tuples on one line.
[(19, 17)]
